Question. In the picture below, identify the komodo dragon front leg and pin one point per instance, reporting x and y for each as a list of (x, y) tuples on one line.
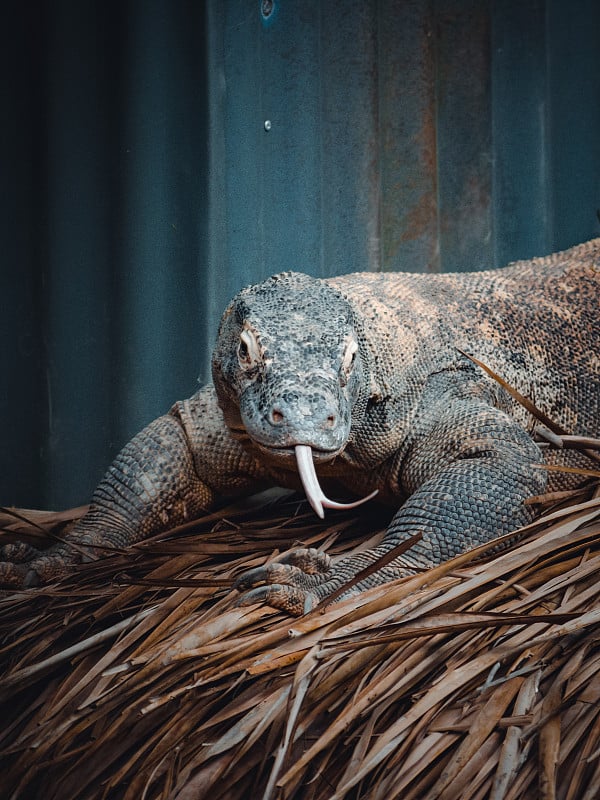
[(468, 472), (166, 475)]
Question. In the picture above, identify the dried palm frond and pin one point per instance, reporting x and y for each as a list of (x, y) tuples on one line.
[(137, 677)]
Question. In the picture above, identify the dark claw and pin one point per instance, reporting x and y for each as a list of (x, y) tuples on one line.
[(32, 578), (272, 573), (286, 598)]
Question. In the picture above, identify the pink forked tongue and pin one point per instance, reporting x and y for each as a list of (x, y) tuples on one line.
[(310, 482)]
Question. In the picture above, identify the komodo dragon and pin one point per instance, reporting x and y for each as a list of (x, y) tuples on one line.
[(363, 383)]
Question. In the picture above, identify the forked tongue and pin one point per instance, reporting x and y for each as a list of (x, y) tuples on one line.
[(310, 482)]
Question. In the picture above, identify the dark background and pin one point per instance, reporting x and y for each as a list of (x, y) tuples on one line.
[(141, 188)]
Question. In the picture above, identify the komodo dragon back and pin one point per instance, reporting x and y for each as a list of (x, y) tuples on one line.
[(536, 323), (356, 387)]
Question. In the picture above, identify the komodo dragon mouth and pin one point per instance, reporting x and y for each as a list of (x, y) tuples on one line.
[(314, 494)]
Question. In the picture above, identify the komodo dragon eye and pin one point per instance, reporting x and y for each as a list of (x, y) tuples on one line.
[(349, 359), (248, 350)]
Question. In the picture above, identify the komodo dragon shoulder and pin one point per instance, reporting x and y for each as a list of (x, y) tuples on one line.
[(364, 385)]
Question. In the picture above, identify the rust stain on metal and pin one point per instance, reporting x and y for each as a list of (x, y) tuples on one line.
[(421, 218)]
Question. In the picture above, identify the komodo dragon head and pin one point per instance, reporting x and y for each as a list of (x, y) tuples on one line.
[(289, 374)]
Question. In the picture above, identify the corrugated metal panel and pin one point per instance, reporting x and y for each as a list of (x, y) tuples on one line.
[(104, 235), (142, 187)]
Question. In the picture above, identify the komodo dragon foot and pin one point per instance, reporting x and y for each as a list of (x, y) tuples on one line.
[(293, 583), (300, 580)]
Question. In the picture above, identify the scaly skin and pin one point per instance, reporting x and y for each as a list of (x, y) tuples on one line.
[(367, 370)]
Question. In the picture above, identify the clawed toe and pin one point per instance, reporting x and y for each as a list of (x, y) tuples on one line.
[(12, 575), (290, 599), (42, 569), (275, 572), (18, 552), (307, 559), (25, 576)]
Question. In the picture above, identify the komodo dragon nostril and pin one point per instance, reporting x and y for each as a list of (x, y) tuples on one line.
[(277, 416)]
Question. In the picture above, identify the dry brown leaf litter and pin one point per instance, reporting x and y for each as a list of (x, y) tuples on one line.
[(136, 677)]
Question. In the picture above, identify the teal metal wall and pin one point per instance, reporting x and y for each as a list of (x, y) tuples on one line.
[(157, 156)]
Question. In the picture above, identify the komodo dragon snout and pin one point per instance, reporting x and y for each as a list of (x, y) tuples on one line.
[(288, 376)]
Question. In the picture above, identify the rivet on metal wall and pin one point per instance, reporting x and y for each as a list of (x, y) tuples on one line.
[(266, 8), (267, 124)]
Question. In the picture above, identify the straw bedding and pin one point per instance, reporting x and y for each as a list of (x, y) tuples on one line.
[(137, 677)]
